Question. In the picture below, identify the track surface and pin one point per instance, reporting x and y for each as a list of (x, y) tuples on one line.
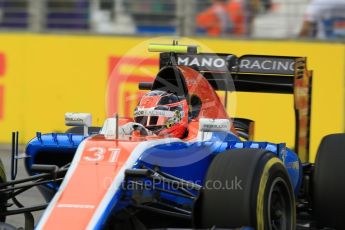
[(28, 198)]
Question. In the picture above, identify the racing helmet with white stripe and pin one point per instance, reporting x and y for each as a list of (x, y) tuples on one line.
[(163, 113)]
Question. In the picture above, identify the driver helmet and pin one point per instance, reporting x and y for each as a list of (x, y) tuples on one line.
[(163, 113)]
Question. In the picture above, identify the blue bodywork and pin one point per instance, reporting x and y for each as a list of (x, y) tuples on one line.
[(169, 157)]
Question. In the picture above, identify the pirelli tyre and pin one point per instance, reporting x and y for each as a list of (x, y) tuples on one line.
[(329, 183), (3, 197), (246, 187)]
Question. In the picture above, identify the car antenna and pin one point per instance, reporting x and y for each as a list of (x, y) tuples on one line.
[(172, 58), (116, 126), (14, 155)]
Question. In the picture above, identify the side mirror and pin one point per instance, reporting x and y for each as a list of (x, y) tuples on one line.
[(79, 119), (207, 126), (214, 125)]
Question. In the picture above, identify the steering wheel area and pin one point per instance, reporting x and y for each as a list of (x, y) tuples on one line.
[(143, 130), (129, 128)]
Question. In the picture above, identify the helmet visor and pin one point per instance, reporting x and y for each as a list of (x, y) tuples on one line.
[(152, 117)]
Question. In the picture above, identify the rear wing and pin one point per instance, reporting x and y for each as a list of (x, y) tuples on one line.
[(256, 73), (250, 73)]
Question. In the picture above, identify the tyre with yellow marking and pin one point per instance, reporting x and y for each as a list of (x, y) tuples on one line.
[(246, 187)]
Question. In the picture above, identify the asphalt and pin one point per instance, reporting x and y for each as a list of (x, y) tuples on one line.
[(28, 198)]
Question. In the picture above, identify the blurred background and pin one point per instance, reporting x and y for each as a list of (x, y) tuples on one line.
[(53, 53), (58, 56), (249, 18)]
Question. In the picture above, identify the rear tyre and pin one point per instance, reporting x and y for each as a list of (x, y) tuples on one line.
[(329, 182), (253, 189)]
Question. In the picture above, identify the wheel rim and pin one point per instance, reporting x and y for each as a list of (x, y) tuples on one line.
[(279, 206)]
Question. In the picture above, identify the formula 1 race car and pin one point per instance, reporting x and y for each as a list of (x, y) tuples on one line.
[(125, 176)]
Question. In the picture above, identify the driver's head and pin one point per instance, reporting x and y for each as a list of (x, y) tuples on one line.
[(163, 113)]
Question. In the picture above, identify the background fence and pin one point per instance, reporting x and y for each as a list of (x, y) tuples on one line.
[(282, 19)]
